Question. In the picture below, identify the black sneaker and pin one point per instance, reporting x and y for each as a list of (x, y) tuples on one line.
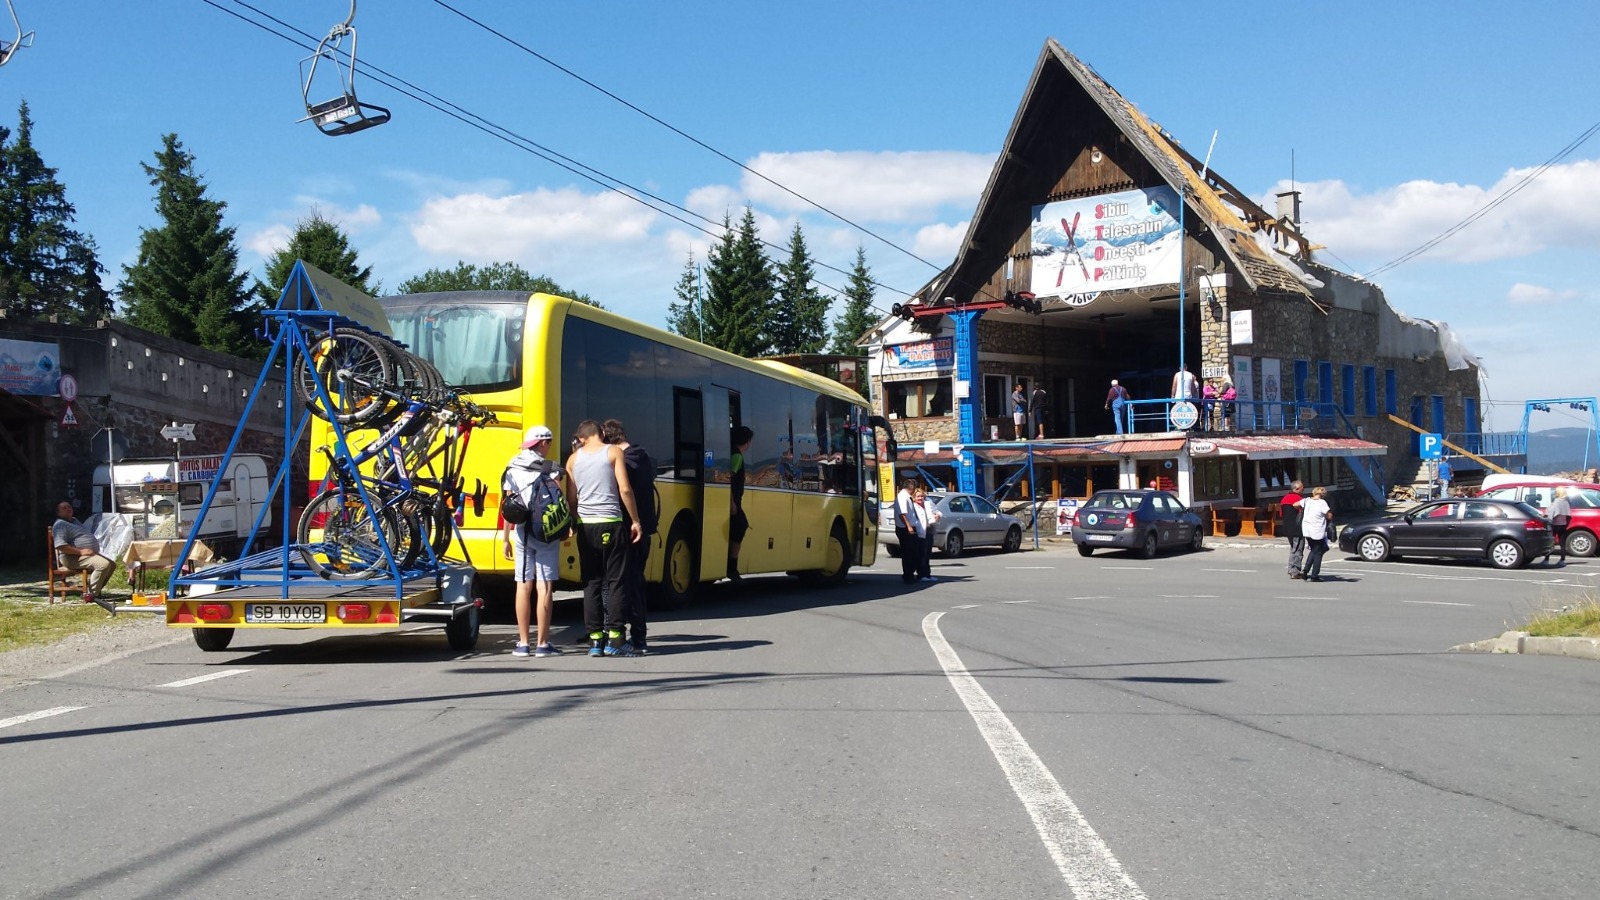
[(597, 644)]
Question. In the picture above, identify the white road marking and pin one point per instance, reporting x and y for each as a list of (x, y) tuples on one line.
[(1436, 603), (1082, 858), (967, 606), (198, 679), (1188, 596), (41, 714), (1094, 597), (1016, 601)]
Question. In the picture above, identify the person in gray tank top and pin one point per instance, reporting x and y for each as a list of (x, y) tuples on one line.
[(602, 494)]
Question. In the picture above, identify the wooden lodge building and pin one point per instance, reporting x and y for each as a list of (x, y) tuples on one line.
[(1102, 249)]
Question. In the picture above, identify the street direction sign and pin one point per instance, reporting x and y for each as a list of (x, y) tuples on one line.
[(176, 432), (1430, 446)]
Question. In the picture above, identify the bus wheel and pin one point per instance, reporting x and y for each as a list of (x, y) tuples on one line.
[(678, 579), (213, 639), (837, 563)]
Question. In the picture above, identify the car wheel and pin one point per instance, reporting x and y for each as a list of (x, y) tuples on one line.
[(1580, 543), (1148, 550), (1198, 541), (1372, 547), (1085, 550), (892, 549), (1506, 554), (953, 543), (1013, 540)]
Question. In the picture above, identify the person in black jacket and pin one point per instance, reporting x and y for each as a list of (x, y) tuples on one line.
[(642, 478)]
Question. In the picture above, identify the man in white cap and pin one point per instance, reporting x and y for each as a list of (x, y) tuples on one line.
[(536, 562), (1117, 401)]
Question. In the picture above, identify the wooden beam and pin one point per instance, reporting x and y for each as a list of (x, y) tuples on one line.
[(1461, 450)]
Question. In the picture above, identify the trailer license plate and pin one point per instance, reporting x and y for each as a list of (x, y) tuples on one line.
[(285, 613)]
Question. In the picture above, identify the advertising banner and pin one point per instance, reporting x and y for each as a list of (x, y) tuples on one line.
[(1245, 393), (920, 359), (29, 367), (1272, 392), (1108, 242)]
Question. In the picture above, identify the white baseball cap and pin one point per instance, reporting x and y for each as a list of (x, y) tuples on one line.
[(536, 434)]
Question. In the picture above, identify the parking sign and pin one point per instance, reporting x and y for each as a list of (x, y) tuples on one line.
[(1430, 446)]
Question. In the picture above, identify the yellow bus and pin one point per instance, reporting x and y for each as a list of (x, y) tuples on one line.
[(536, 359)]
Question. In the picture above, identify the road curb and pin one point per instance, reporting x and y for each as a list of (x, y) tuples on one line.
[(1522, 642)]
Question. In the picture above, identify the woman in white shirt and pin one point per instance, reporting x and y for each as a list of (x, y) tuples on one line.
[(1315, 514)]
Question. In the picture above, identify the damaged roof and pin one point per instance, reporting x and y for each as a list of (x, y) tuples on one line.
[(1221, 207)]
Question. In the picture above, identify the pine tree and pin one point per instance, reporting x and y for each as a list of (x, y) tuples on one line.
[(739, 291), (500, 276), (186, 282), (323, 244), (799, 319), (858, 316), (47, 268), (683, 315)]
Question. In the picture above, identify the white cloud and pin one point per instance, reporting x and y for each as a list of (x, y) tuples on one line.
[(479, 227), (269, 240), (871, 187), (1533, 293), (1554, 210), (938, 243)]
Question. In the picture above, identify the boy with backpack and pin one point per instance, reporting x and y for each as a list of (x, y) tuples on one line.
[(534, 542)]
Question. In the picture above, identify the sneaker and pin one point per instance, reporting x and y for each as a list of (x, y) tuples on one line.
[(519, 650), (597, 644), (546, 650), (927, 578), (641, 648), (622, 649)]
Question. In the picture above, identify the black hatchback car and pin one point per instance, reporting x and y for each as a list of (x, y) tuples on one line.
[(1507, 533), (1146, 521)]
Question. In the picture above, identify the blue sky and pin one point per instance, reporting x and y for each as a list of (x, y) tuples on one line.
[(1396, 120)]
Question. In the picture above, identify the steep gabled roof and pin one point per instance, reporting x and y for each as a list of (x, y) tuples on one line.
[(1222, 208)]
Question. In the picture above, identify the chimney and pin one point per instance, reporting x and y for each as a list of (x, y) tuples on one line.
[(1289, 207)]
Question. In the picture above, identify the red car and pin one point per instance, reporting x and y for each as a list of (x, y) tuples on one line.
[(1585, 501)]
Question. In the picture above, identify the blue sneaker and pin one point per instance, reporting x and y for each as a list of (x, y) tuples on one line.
[(623, 649), (546, 650), (597, 644), (519, 650)]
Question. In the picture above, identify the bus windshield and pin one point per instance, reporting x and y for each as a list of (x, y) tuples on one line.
[(474, 340)]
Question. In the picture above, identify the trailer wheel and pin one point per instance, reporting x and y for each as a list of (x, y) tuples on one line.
[(462, 630), (213, 639)]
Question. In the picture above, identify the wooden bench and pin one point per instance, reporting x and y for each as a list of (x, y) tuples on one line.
[(60, 576)]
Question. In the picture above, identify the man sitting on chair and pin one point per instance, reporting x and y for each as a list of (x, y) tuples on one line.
[(78, 549)]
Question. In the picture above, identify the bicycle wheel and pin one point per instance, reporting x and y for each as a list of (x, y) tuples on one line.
[(355, 369), (339, 539)]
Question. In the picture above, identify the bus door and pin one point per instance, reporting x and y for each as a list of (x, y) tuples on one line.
[(877, 484), (721, 413)]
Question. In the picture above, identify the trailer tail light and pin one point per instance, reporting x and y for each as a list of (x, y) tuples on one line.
[(355, 612), (213, 612)]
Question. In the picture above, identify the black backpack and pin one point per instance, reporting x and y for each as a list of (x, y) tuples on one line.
[(550, 518), (512, 507)]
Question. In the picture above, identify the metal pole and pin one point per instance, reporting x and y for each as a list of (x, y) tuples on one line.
[(177, 482), (1182, 280)]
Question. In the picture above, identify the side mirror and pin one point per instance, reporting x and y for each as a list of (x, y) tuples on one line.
[(891, 446), (1409, 517)]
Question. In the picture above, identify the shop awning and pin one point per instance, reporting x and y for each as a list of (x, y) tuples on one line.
[(1294, 446)]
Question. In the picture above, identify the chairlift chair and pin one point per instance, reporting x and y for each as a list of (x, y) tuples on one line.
[(343, 114), (9, 49)]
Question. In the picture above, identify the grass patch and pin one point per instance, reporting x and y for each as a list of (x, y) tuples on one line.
[(1579, 620), (27, 618)]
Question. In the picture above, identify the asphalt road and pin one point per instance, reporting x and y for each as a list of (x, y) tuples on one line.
[(1032, 725)]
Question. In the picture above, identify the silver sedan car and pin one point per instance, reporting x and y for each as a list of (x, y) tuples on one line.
[(965, 520)]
